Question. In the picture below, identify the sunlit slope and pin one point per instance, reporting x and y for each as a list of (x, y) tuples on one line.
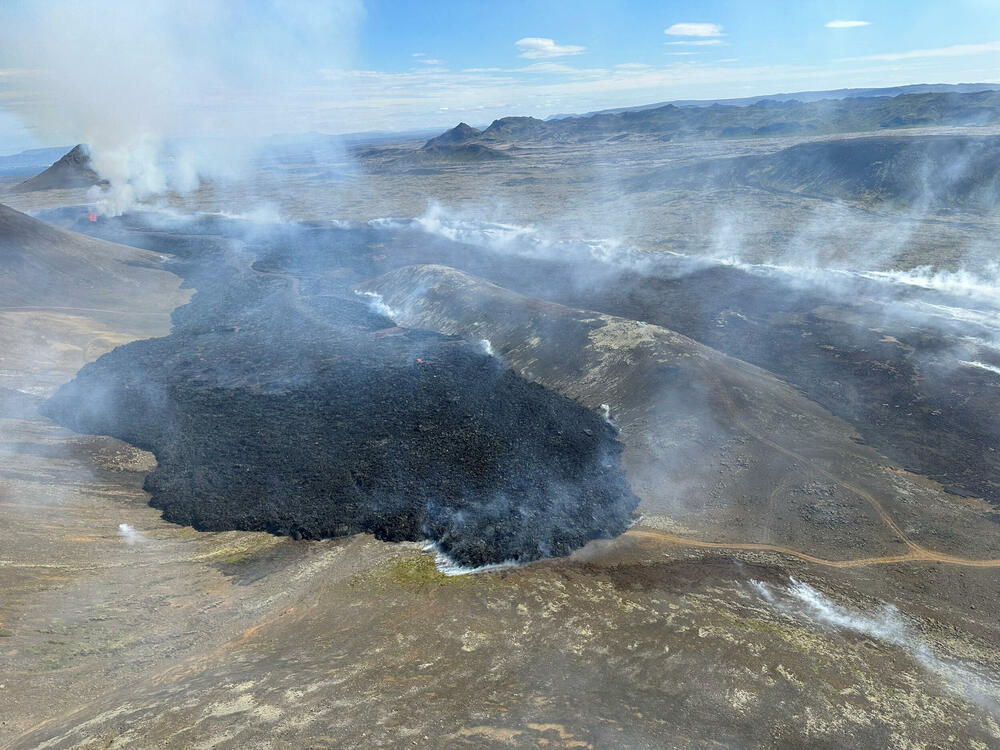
[(716, 448)]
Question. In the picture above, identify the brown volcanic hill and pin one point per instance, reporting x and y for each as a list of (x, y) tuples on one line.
[(458, 134), (43, 266), (73, 170), (713, 445)]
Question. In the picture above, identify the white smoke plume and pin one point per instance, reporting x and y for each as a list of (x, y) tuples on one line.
[(378, 306), (889, 626), (449, 567), (129, 534), (982, 285), (168, 93)]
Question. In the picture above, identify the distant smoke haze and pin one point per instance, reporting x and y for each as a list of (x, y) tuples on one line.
[(126, 77)]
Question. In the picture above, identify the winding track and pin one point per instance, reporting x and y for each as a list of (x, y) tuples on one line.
[(915, 553)]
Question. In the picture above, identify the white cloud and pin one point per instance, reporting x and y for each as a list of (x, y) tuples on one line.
[(956, 50), (698, 42), (847, 24), (349, 100), (534, 47), (387, 100), (694, 29), (548, 67), (423, 59)]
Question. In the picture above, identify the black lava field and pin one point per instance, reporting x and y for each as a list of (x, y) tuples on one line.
[(878, 355), (301, 411)]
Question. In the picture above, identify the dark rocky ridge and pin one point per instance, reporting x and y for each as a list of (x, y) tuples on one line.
[(762, 118), (920, 171), (73, 170), (458, 134), (308, 414)]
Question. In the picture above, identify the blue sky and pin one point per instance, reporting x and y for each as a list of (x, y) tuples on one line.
[(480, 34), (348, 65)]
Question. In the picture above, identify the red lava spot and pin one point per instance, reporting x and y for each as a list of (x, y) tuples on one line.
[(92, 216), (420, 360)]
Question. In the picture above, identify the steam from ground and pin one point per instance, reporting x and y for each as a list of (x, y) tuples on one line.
[(378, 306), (528, 241), (130, 536), (924, 296), (168, 93), (889, 626)]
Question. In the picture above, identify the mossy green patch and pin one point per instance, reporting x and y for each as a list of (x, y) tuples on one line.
[(418, 570)]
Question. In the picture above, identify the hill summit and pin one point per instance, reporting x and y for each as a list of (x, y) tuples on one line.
[(73, 170), (458, 134)]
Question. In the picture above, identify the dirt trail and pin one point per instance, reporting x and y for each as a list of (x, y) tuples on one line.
[(915, 554)]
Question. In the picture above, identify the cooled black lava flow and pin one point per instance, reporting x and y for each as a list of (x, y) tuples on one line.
[(907, 399), (266, 415)]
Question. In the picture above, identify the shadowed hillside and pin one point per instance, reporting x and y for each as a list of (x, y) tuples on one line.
[(45, 265), (72, 171), (921, 171), (760, 119)]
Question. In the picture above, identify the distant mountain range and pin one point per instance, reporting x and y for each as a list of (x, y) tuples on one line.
[(803, 96), (765, 117), (31, 161), (933, 172)]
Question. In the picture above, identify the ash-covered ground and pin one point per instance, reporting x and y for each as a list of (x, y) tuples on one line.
[(301, 411)]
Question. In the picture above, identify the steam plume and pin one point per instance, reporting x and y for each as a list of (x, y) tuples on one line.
[(168, 93)]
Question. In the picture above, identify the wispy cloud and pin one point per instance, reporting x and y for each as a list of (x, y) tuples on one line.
[(847, 24), (694, 29), (550, 67), (697, 43), (536, 47), (387, 100), (955, 50), (19, 72), (423, 59)]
